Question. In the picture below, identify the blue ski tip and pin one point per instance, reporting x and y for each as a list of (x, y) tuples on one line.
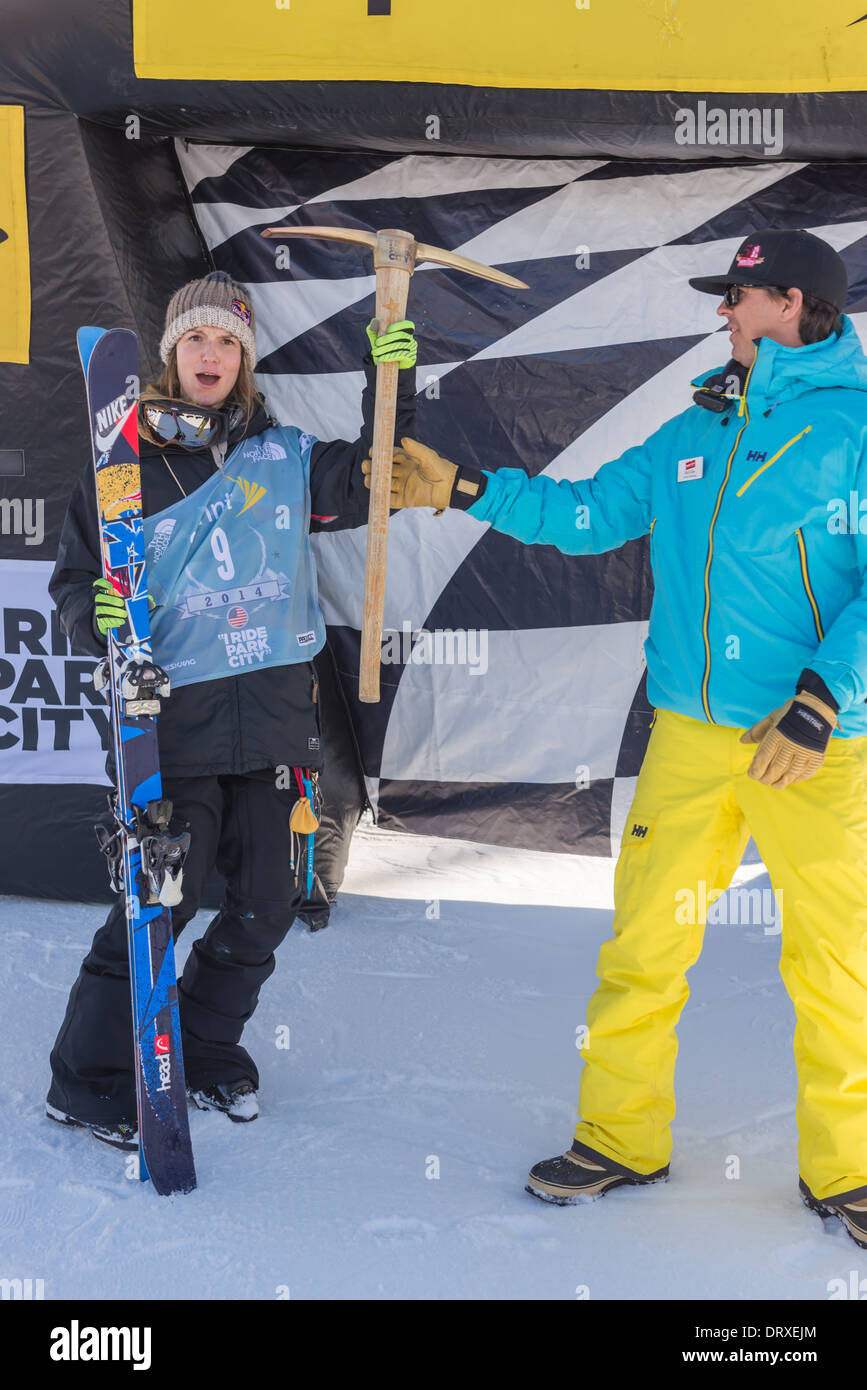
[(87, 339)]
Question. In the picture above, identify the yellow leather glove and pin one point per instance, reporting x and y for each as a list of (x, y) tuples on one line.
[(792, 741), (421, 478)]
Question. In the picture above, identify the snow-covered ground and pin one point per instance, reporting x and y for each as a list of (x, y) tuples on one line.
[(432, 1058)]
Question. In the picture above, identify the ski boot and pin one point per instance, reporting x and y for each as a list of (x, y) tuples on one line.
[(574, 1176), (237, 1100), (852, 1214), (120, 1136)]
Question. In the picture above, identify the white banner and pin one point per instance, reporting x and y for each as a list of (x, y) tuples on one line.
[(54, 727)]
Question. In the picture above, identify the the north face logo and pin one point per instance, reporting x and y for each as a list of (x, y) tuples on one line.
[(257, 452), (161, 537)]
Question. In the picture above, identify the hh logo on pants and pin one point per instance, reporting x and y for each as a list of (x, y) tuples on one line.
[(638, 831)]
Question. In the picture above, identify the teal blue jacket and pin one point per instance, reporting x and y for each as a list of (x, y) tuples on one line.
[(759, 553)]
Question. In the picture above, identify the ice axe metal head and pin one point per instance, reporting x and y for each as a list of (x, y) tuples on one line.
[(393, 248), (395, 256)]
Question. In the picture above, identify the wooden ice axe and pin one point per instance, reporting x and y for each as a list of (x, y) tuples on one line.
[(395, 255)]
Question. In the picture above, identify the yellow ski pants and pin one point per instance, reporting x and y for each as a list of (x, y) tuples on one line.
[(693, 811)]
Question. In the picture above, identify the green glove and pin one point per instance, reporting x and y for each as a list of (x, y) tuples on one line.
[(109, 607), (396, 345)]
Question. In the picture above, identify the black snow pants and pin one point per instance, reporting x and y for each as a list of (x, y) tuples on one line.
[(241, 824)]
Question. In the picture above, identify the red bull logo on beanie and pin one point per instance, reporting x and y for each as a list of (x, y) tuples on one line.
[(241, 309)]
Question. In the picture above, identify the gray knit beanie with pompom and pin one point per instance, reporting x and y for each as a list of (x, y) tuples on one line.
[(215, 301)]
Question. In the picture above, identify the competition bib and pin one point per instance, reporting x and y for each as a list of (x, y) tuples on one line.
[(231, 569)]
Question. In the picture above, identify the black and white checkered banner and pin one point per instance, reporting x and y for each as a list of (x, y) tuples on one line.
[(513, 706)]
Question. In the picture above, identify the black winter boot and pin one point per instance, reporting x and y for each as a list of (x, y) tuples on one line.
[(582, 1174), (853, 1214)]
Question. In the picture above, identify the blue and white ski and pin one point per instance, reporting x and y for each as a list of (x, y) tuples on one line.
[(145, 859)]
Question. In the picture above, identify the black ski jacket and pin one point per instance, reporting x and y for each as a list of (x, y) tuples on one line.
[(261, 718)]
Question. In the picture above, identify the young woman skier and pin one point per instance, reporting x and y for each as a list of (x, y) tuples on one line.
[(229, 497)]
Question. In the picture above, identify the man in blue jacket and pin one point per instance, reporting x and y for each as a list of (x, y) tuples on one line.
[(757, 667)]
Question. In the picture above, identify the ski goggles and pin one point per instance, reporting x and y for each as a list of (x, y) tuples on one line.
[(186, 426), (732, 293)]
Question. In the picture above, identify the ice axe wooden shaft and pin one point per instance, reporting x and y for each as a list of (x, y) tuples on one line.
[(395, 255)]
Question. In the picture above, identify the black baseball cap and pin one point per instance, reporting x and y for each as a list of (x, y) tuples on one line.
[(788, 260)]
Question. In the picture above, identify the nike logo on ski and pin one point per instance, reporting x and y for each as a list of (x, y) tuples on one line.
[(113, 414)]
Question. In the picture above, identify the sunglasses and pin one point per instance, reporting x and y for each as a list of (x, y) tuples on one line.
[(188, 426), (732, 293)]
